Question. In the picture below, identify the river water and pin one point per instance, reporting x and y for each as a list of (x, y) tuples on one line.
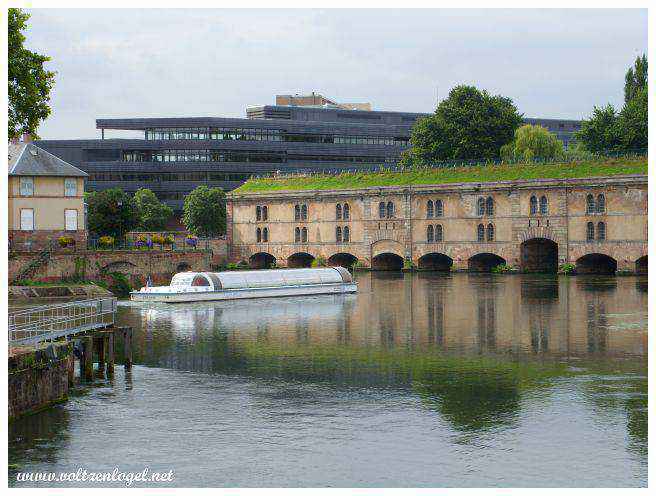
[(418, 380)]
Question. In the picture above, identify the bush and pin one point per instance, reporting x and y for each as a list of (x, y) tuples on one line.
[(191, 240), (106, 241), (143, 241), (408, 264), (119, 284), (358, 265), (168, 240), (319, 262), (502, 269), (65, 241), (567, 269), (158, 239)]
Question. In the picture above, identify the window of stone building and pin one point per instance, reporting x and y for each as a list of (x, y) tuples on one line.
[(265, 213), (338, 211), (258, 213), (480, 233), (481, 207), (439, 233), (489, 206), (601, 231), (347, 211), (429, 209), (70, 217), (601, 204), (338, 234), (347, 234), (297, 212), (27, 186), (258, 235), (439, 208), (590, 231), (590, 204), (27, 219), (490, 232), (544, 205), (297, 235), (265, 235), (381, 210), (390, 210), (304, 236), (304, 212), (534, 205), (430, 235), (70, 186)]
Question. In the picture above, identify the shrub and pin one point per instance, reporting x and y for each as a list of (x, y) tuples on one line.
[(408, 264), (65, 241), (158, 239), (502, 269), (319, 262), (567, 269), (358, 265), (119, 284), (168, 240), (191, 240), (106, 241)]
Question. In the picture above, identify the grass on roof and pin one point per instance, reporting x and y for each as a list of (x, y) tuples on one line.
[(445, 175)]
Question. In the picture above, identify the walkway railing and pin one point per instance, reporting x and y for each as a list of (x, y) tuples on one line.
[(48, 322)]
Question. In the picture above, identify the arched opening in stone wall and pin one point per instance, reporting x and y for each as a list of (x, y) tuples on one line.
[(342, 260), (641, 265), (261, 260), (299, 260), (539, 255), (183, 267), (484, 262), (435, 261), (387, 261), (596, 263)]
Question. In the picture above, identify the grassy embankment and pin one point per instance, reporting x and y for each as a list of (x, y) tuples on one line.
[(445, 175)]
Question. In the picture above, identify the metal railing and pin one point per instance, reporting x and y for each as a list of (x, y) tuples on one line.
[(48, 322)]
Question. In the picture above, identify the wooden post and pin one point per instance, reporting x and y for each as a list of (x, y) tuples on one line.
[(127, 348), (86, 362), (100, 343), (71, 369), (109, 347)]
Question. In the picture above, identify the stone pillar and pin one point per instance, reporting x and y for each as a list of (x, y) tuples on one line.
[(127, 348), (100, 344), (86, 361), (109, 347)]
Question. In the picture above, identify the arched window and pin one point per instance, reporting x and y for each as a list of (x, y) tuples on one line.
[(480, 210), (297, 235), (265, 213), (304, 235), (297, 212), (429, 234), (429, 209), (534, 205), (590, 232), (338, 211), (347, 211), (390, 210), (258, 235), (258, 213), (601, 204), (489, 206), (439, 208), (381, 210), (589, 204), (601, 231), (439, 233), (303, 212), (544, 205), (490, 232), (265, 234), (347, 234), (481, 232), (338, 234)]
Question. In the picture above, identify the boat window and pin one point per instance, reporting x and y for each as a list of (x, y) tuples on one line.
[(200, 280)]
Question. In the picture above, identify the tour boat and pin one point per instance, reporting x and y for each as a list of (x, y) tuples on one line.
[(212, 286)]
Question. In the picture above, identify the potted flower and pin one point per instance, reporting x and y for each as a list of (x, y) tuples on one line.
[(142, 241), (158, 239), (191, 240), (66, 241), (106, 242), (168, 240)]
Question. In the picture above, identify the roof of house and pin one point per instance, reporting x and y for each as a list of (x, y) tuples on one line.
[(27, 159)]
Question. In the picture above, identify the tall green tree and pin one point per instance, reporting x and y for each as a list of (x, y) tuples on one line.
[(601, 131), (204, 212), (153, 214), (111, 212), (532, 142), (635, 78), (29, 82), (469, 124)]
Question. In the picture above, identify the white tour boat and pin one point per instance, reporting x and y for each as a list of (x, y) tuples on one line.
[(212, 286)]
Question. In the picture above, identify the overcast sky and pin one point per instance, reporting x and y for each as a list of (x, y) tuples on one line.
[(175, 63)]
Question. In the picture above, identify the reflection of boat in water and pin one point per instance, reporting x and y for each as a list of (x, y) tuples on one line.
[(211, 286)]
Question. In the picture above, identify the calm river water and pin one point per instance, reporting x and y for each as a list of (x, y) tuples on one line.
[(418, 380)]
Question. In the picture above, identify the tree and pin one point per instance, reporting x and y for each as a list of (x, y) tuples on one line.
[(153, 214), (204, 212), (111, 212), (469, 124), (532, 142), (29, 82), (635, 78), (633, 122), (601, 132)]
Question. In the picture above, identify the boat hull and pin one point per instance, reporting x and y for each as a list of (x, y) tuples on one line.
[(238, 294)]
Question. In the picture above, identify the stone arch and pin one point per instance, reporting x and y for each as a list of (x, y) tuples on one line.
[(484, 262), (342, 260), (299, 260), (435, 261), (183, 267), (387, 261), (387, 246), (261, 260), (118, 266), (596, 263), (539, 255), (641, 265)]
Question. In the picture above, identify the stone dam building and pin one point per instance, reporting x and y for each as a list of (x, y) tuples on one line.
[(597, 224)]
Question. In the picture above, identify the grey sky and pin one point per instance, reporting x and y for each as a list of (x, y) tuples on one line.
[(171, 63)]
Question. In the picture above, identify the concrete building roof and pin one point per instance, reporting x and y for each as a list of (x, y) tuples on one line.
[(27, 159)]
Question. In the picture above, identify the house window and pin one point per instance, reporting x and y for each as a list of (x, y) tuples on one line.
[(439, 209), (27, 219), (489, 206), (381, 210), (490, 232), (534, 205), (439, 233), (347, 234), (71, 219), (601, 231), (258, 234), (601, 204), (480, 233), (27, 186), (258, 213), (338, 234), (70, 186), (544, 205), (297, 235), (480, 210), (590, 232), (390, 210), (304, 235), (429, 209), (589, 204), (303, 212), (430, 236), (297, 212), (265, 235), (265, 213), (347, 211), (338, 211)]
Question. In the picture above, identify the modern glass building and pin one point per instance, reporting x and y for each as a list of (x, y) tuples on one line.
[(175, 155)]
